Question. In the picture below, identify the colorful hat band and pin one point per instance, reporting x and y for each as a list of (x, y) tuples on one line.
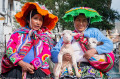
[(89, 13)]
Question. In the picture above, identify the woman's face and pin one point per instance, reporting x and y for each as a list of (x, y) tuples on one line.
[(80, 23), (36, 22)]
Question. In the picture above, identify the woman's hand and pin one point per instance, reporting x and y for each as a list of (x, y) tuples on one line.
[(26, 66), (90, 53), (67, 57), (31, 72)]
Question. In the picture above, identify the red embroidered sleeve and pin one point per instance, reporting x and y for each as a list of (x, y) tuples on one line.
[(42, 59), (11, 49)]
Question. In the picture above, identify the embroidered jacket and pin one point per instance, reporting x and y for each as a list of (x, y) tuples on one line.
[(19, 45)]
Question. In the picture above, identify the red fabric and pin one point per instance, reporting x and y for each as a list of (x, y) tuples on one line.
[(103, 66), (46, 71)]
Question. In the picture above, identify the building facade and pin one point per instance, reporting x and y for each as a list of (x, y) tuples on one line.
[(8, 8)]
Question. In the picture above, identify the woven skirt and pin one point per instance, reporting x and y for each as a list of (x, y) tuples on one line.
[(16, 73), (86, 71)]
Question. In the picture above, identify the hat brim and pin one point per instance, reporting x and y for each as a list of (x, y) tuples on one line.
[(50, 20), (89, 13)]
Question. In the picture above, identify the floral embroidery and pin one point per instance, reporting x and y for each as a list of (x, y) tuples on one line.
[(9, 51), (91, 71), (80, 71), (87, 71), (37, 63), (14, 58)]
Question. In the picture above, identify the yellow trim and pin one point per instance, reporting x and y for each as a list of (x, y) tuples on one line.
[(82, 8)]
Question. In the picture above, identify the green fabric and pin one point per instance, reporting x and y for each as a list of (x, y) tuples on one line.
[(87, 71), (89, 13)]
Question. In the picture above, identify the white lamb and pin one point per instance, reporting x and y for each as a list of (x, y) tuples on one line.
[(92, 43), (66, 48)]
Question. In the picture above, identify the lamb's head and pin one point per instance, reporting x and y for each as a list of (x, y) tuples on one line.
[(92, 43), (67, 36)]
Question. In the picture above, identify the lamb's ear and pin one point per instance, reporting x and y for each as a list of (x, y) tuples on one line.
[(74, 34), (99, 43), (61, 34), (58, 33)]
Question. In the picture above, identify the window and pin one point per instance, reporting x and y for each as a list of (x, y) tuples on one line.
[(3, 6)]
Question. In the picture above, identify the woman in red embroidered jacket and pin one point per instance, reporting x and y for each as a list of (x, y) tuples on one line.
[(28, 48)]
